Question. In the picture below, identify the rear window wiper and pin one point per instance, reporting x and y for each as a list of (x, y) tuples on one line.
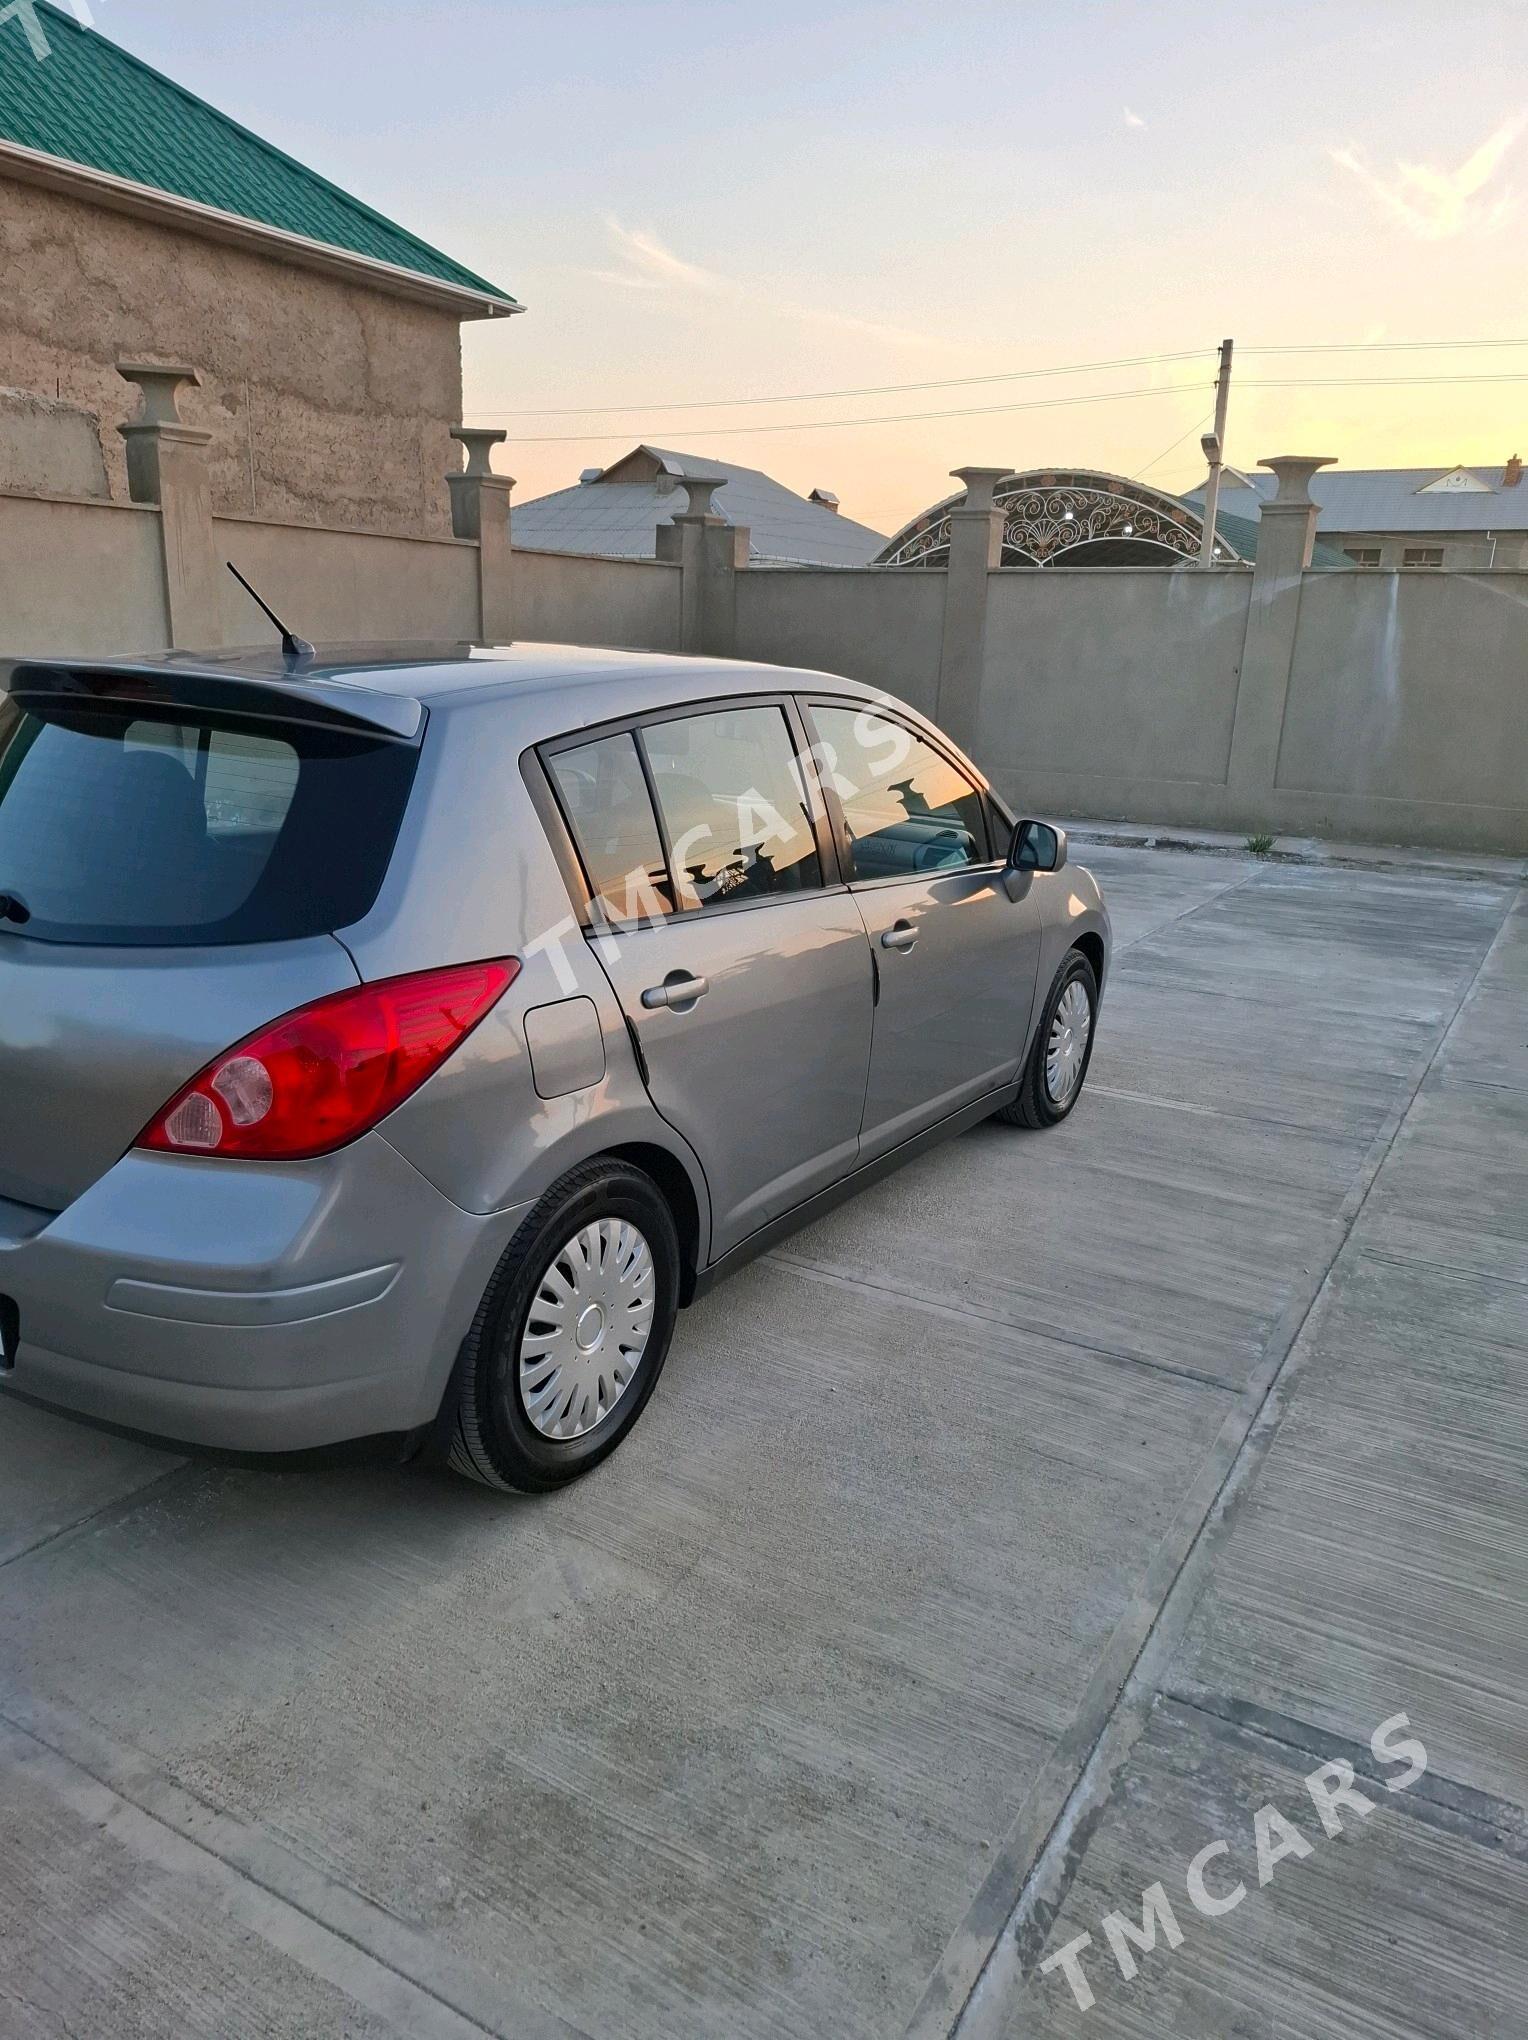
[(13, 908)]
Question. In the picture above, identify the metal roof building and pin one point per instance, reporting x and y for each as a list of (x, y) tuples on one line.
[(616, 511), (316, 341), (80, 114), (1405, 517)]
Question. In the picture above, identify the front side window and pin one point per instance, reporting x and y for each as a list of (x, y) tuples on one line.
[(908, 810), (734, 806), (604, 796)]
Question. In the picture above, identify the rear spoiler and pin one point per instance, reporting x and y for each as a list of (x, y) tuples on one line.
[(52, 689)]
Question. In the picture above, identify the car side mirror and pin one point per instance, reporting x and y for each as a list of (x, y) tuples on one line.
[(1037, 846)]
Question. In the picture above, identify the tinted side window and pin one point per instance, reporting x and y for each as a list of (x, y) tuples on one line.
[(908, 809), (604, 795), (734, 805)]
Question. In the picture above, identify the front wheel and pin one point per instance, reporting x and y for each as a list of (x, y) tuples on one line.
[(1058, 1062), (572, 1334)]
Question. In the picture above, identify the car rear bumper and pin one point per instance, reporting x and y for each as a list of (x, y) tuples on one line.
[(247, 1306)]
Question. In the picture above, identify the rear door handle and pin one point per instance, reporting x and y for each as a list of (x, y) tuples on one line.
[(903, 936), (679, 992)]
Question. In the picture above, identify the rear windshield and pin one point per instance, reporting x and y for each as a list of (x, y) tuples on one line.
[(173, 828)]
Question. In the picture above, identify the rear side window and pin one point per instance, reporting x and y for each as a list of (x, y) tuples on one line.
[(603, 793), (734, 805), (128, 828)]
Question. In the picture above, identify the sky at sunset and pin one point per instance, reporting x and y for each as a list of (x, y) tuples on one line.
[(715, 199)]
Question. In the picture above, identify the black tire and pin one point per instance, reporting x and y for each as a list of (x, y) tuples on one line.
[(1034, 1106), (495, 1440)]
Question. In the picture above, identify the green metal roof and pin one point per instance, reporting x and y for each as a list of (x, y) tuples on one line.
[(88, 102), (1241, 534)]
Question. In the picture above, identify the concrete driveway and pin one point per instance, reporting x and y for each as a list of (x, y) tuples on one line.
[(985, 1551)]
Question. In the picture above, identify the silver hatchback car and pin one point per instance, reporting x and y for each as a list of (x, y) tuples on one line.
[(392, 1041)]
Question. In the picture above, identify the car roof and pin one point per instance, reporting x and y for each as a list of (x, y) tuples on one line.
[(429, 671), (387, 686)]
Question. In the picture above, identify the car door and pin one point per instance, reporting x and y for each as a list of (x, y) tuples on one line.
[(956, 957), (738, 957)]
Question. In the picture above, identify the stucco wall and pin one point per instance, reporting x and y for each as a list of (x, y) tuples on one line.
[(347, 586), (578, 599), (329, 403), (1105, 693), (883, 627), (48, 448), (79, 578), (1093, 673), (1408, 693)]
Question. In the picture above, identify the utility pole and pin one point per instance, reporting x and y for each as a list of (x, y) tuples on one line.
[(1214, 444)]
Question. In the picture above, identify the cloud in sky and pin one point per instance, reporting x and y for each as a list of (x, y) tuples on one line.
[(646, 263), (1132, 118), (1435, 204)]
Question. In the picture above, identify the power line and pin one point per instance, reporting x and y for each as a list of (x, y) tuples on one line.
[(892, 418), (997, 375), (953, 382), (1141, 473), (1334, 382), (1036, 404), (1385, 346)]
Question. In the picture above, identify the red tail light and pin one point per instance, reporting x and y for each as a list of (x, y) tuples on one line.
[(326, 1074)]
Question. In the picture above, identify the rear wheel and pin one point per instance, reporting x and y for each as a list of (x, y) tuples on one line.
[(572, 1334), (1058, 1062)]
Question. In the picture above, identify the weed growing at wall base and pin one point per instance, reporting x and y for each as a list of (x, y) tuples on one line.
[(1274, 1839)]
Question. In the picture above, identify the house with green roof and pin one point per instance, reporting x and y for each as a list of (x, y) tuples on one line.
[(138, 222)]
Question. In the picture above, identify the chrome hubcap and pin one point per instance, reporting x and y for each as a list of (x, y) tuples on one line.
[(1067, 1049), (587, 1328)]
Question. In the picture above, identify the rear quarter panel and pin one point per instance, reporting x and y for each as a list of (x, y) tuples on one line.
[(474, 876)]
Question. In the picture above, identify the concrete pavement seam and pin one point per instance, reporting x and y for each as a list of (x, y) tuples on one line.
[(119, 1505), (1049, 1834), (1495, 1823), (252, 1857), (939, 1306)]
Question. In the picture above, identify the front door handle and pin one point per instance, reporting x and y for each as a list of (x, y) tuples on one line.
[(679, 992), (903, 936)]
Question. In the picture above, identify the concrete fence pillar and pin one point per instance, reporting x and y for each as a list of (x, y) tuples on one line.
[(976, 547), (709, 553), (167, 464), (480, 512), (1286, 535)]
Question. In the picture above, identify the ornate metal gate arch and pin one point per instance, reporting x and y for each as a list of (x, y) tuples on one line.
[(1056, 518)]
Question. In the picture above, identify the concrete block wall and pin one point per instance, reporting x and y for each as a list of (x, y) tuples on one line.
[(1407, 714), (1092, 672), (1403, 716), (884, 625), (578, 598), (80, 579), (1391, 707), (345, 585)]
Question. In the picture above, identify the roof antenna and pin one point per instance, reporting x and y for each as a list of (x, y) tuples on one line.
[(292, 646)]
